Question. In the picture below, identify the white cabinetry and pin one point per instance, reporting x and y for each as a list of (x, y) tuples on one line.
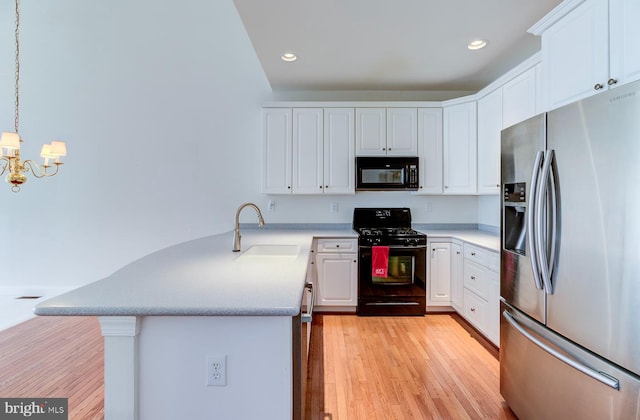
[(308, 151), (457, 287), (588, 46), (460, 143), (439, 281), (481, 291), (339, 151), (489, 128), (277, 150), (519, 98), (430, 150), (337, 274), (386, 132)]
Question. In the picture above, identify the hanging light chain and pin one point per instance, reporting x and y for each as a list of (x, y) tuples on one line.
[(17, 115)]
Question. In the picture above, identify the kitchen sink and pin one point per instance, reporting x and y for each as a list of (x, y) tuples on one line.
[(266, 251)]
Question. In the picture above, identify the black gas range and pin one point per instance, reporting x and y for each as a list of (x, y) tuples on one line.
[(399, 288)]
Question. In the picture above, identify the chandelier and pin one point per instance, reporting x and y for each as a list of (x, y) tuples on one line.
[(10, 161)]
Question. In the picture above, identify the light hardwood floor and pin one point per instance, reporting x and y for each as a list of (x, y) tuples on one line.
[(361, 368), (401, 368)]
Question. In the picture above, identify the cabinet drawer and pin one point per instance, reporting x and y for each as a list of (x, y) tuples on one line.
[(475, 278), (475, 310), (337, 245), (477, 254)]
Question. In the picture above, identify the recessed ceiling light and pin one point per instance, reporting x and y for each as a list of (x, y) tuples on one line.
[(289, 56), (477, 44)]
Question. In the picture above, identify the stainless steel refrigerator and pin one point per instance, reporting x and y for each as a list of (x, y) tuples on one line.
[(570, 261)]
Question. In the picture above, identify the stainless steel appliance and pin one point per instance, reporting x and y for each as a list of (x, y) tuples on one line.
[(386, 173), (570, 261), (402, 291)]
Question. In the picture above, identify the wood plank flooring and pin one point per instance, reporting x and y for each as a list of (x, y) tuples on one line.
[(361, 368), (401, 368), (59, 357)]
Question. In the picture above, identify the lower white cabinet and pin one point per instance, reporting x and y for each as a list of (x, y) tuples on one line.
[(457, 287), (481, 293), (336, 262), (439, 281)]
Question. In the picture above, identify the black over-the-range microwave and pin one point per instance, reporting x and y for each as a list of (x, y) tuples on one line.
[(386, 173)]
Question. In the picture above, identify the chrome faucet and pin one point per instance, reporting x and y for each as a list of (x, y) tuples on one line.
[(236, 237)]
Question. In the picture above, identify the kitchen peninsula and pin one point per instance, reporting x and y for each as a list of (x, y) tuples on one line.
[(163, 314)]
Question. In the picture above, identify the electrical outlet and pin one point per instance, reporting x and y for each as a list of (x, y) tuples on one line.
[(334, 207), (216, 370)]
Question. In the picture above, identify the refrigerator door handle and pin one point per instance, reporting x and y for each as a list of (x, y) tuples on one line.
[(599, 376), (531, 219), (540, 228)]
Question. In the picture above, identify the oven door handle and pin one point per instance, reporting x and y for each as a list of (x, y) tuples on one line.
[(418, 247)]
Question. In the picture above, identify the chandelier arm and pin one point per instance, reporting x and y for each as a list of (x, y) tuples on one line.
[(37, 170), (5, 166)]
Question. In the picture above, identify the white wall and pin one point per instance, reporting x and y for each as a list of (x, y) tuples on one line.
[(160, 106), (159, 103)]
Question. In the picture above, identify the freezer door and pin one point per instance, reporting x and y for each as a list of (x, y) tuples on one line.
[(596, 278), (520, 146), (536, 384)]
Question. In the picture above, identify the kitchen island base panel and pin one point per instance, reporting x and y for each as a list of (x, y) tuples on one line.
[(155, 367)]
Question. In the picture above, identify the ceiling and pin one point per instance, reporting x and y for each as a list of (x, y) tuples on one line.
[(401, 45)]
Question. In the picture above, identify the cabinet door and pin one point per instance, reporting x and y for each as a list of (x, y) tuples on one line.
[(337, 278), (307, 151), (402, 131), (575, 54), (489, 128), (518, 98), (624, 54), (339, 151), (439, 274), (457, 286), (277, 150), (459, 130), (493, 307), (371, 132), (430, 150)]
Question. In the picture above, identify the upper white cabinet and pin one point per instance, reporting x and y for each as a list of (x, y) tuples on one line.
[(519, 98), (308, 151), (430, 150), (277, 150), (339, 151), (460, 143), (489, 128), (386, 132), (588, 46)]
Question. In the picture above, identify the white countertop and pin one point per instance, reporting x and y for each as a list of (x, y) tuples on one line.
[(200, 277), (488, 240)]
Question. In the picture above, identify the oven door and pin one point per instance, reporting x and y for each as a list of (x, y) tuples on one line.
[(402, 291)]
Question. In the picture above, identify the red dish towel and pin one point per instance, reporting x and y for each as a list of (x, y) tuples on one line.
[(379, 261)]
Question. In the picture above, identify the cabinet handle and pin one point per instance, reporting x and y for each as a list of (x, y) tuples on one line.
[(355, 261), (384, 148), (326, 186), (473, 277), (289, 187), (446, 186), (457, 252), (598, 86), (473, 254), (612, 81), (473, 309), (337, 246), (320, 186)]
